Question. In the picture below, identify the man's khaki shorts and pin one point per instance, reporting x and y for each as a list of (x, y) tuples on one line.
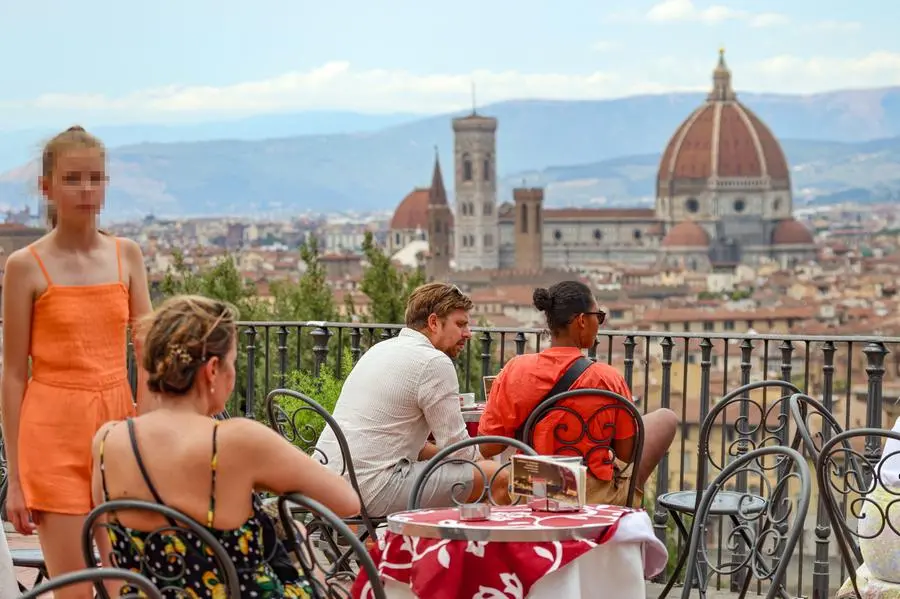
[(615, 491)]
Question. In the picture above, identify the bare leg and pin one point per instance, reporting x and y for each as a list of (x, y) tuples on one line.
[(60, 536), (499, 487), (659, 432)]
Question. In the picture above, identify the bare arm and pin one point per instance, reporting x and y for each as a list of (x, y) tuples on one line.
[(281, 468), (18, 302), (139, 306)]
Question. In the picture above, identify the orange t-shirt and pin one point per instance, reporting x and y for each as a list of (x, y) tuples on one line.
[(526, 380)]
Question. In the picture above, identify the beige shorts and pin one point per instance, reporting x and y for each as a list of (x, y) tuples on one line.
[(615, 491)]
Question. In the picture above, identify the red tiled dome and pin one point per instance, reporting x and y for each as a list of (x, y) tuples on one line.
[(723, 139), (791, 232), (412, 213), (686, 234)]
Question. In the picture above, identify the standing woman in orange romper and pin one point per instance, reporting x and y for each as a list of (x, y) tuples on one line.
[(68, 301)]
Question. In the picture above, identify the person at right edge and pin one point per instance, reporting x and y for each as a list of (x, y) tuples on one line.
[(526, 380)]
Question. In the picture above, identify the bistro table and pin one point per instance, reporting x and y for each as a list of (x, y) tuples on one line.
[(472, 416), (517, 553)]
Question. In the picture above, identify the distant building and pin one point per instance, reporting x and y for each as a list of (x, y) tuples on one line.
[(723, 198)]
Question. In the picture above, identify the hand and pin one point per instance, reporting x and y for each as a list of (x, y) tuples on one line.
[(16, 512)]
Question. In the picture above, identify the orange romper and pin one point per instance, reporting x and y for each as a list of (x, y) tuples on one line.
[(79, 381)]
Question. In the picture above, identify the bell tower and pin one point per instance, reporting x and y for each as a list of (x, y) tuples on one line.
[(475, 185), (440, 227)]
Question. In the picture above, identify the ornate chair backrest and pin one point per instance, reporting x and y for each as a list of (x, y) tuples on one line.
[(769, 522), (186, 544), (140, 585), (444, 457), (333, 577), (872, 494), (591, 434), (755, 425), (297, 426)]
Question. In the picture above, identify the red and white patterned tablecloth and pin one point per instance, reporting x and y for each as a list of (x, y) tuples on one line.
[(441, 568)]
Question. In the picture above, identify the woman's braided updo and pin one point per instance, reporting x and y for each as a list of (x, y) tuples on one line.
[(181, 336)]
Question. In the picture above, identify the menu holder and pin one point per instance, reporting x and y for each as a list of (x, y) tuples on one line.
[(552, 483)]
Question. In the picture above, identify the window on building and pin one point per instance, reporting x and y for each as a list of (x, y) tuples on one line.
[(437, 226), (537, 219), (637, 234), (487, 168), (740, 205), (557, 235), (464, 209), (729, 325), (488, 240), (524, 218), (598, 234), (466, 168), (617, 314), (687, 327), (692, 205), (709, 326), (488, 208), (666, 326), (465, 241), (396, 238)]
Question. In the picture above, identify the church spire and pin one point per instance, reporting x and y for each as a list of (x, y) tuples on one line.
[(437, 194), (722, 89)]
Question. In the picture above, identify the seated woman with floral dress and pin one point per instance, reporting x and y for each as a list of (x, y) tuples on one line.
[(178, 455)]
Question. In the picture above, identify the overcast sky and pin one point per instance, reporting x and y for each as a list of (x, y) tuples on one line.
[(115, 61)]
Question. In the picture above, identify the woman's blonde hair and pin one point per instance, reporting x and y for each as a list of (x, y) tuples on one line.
[(72, 138), (181, 336)]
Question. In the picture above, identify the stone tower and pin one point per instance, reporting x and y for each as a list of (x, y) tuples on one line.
[(475, 184), (440, 227), (528, 223)]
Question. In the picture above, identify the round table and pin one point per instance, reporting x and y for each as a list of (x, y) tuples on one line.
[(517, 552)]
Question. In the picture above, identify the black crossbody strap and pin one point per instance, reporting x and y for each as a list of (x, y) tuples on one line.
[(564, 383)]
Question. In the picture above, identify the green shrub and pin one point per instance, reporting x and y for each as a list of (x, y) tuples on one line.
[(324, 389)]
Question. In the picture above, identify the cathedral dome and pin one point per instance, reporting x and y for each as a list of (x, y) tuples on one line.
[(791, 232), (412, 213), (722, 139), (686, 234)]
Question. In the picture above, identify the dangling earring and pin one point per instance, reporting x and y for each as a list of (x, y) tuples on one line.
[(212, 390)]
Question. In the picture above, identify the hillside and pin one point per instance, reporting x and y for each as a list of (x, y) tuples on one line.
[(375, 169)]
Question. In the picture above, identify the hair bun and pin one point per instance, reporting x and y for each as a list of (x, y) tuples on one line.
[(542, 299), (75, 128)]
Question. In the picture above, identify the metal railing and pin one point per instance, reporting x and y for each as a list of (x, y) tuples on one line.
[(684, 372)]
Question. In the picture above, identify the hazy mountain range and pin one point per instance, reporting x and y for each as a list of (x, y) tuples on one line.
[(839, 144)]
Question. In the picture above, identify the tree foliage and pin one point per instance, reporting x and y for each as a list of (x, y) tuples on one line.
[(386, 286)]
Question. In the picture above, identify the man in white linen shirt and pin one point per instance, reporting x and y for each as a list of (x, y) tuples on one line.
[(401, 390)]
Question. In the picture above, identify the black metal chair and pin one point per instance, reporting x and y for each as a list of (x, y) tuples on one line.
[(804, 409), (334, 578), (299, 429), (304, 435), (97, 576), (598, 429), (748, 437), (770, 530), (843, 471), (192, 545), (444, 457)]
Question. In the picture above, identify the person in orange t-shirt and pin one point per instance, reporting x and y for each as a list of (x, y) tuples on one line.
[(574, 319)]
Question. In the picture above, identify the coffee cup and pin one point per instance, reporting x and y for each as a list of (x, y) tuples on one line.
[(467, 400)]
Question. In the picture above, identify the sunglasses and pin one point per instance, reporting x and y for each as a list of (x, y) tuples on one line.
[(600, 314)]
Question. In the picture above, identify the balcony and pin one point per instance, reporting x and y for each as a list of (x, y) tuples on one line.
[(685, 372)]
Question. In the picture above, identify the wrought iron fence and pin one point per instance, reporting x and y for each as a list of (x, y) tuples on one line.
[(684, 372)]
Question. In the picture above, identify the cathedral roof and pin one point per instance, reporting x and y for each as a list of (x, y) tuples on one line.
[(686, 234), (412, 213), (791, 232), (723, 139)]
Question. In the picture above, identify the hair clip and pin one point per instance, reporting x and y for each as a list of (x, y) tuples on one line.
[(181, 354)]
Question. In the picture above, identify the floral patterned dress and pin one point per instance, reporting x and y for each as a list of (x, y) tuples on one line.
[(180, 564)]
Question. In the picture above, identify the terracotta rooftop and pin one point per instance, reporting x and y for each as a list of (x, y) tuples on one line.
[(686, 234)]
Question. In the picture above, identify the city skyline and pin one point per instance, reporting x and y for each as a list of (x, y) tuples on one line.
[(188, 62)]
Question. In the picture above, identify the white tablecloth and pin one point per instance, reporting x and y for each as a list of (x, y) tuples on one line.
[(615, 570)]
